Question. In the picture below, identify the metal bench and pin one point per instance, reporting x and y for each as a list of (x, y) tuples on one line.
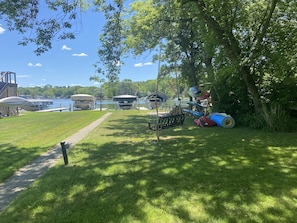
[(167, 121)]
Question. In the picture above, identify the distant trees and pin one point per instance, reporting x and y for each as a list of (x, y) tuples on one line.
[(141, 89), (107, 89), (49, 91)]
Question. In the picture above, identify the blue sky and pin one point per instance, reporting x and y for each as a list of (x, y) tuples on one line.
[(69, 62)]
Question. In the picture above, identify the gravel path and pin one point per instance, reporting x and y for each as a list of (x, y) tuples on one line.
[(11, 187)]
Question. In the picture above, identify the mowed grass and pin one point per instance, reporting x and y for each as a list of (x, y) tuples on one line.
[(119, 173), (25, 137)]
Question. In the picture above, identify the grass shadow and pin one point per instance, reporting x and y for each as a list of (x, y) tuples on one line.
[(121, 174), (13, 157)]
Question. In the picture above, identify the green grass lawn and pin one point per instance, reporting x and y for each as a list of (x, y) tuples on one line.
[(25, 137), (120, 173)]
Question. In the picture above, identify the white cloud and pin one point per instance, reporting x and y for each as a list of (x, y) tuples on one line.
[(36, 85), (138, 65), (2, 30), (23, 76), (143, 64), (64, 47), (35, 65), (79, 55), (148, 64)]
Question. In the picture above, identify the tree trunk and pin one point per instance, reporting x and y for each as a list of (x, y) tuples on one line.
[(259, 106), (250, 84)]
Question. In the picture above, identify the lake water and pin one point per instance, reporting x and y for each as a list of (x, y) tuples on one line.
[(68, 103), (111, 105)]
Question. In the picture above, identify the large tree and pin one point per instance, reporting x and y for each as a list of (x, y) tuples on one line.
[(250, 40), (250, 35)]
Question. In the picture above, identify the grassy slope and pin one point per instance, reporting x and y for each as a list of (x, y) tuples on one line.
[(119, 173)]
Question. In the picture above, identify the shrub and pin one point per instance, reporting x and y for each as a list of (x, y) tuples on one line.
[(281, 120)]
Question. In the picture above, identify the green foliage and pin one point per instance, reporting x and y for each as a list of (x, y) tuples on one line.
[(110, 51), (228, 94), (280, 90), (281, 121), (252, 120), (155, 24), (145, 27), (26, 18)]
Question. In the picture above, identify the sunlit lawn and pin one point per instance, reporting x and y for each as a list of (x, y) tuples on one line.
[(119, 173), (24, 137)]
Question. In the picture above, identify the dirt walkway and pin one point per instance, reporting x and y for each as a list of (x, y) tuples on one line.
[(11, 187)]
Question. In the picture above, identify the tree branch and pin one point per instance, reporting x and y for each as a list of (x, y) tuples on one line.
[(265, 24)]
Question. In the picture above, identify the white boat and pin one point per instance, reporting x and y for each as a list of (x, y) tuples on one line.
[(38, 104), (26, 104), (156, 100), (83, 101), (14, 101), (125, 102)]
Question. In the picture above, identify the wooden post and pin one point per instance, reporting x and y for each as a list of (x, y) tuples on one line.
[(64, 153)]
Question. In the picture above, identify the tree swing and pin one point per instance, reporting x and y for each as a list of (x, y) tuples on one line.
[(175, 117)]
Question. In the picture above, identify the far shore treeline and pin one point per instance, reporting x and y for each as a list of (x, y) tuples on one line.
[(107, 90)]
